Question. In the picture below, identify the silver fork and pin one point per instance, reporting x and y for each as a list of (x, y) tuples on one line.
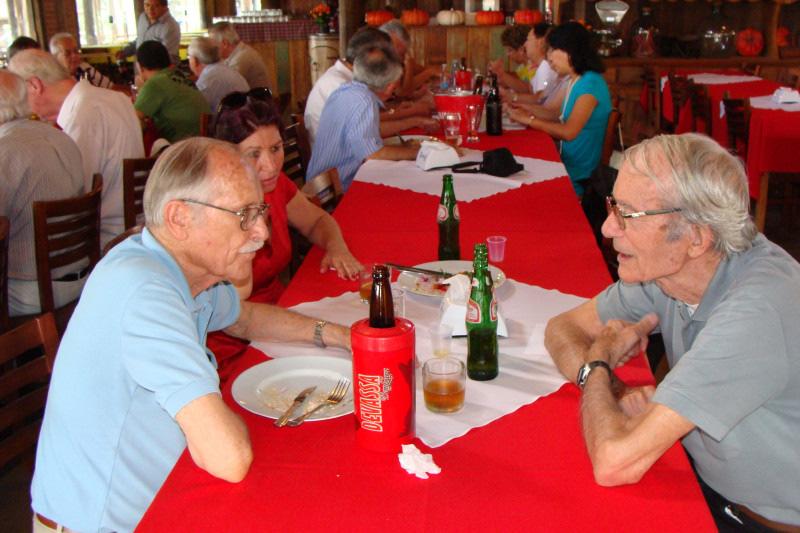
[(336, 395)]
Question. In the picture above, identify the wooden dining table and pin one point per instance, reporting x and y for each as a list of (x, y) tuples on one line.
[(527, 470)]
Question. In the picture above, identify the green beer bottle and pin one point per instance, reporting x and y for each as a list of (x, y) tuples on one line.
[(448, 219), (481, 322)]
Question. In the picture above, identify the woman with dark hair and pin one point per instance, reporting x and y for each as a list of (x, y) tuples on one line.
[(581, 125), (252, 122)]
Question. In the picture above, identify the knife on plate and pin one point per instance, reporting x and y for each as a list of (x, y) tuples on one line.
[(299, 399), (417, 270)]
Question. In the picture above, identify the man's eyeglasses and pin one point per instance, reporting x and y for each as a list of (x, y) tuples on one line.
[(619, 216), (237, 99), (248, 215)]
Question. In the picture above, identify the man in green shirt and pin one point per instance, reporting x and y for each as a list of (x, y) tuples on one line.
[(167, 97)]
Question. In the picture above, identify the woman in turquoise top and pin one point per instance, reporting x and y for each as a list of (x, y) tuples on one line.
[(581, 125)]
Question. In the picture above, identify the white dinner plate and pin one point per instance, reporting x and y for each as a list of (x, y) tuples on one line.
[(269, 388), (425, 285), (394, 140)]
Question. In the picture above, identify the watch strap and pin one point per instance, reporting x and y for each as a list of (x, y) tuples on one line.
[(318, 327), (586, 370)]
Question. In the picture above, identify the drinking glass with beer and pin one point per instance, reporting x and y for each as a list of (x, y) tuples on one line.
[(443, 383)]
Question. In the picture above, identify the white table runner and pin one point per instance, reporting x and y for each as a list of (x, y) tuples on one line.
[(768, 102), (407, 175), (526, 369), (709, 78)]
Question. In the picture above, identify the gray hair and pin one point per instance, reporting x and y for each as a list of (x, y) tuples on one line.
[(366, 38), (182, 171), (13, 97), (40, 64), (223, 31), (204, 49), (706, 182), (396, 28), (57, 39), (377, 68)]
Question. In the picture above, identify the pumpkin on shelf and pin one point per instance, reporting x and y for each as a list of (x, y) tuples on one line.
[(414, 17), (528, 16), (450, 17), (378, 17), (749, 42), (489, 18)]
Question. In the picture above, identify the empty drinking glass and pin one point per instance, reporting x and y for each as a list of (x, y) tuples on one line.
[(474, 112)]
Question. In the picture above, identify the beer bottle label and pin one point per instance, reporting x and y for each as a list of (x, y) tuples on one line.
[(473, 312), (441, 213), (493, 309), (455, 212)]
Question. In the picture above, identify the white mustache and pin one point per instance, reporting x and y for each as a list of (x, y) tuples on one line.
[(251, 247)]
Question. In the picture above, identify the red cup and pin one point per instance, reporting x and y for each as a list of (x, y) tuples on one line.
[(464, 80)]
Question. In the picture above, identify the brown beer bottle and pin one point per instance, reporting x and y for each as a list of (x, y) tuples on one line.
[(381, 306), (481, 322)]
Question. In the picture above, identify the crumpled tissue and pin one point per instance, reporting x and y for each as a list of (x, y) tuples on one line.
[(785, 95), (454, 306), (417, 463), (434, 154)]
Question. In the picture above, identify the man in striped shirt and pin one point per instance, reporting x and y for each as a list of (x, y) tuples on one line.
[(349, 127), (65, 48)]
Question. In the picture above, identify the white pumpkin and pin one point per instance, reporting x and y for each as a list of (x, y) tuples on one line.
[(450, 17)]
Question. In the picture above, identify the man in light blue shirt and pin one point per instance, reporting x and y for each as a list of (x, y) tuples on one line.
[(156, 24), (215, 79), (349, 127), (133, 384)]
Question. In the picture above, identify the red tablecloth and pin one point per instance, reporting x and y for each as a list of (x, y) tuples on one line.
[(773, 144), (526, 471)]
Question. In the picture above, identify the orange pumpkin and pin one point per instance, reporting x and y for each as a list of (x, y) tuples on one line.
[(749, 42), (414, 17), (528, 16), (489, 18), (782, 37), (378, 18)]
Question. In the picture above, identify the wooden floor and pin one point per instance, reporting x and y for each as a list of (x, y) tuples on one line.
[(15, 514)]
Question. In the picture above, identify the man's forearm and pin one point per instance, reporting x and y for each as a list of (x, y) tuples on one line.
[(568, 345)]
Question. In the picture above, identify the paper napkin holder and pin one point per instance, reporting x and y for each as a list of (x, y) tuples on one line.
[(434, 154)]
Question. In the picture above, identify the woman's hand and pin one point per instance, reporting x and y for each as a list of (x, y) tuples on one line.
[(343, 262)]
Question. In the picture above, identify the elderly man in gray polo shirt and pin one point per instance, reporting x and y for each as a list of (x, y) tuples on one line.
[(215, 79), (727, 302)]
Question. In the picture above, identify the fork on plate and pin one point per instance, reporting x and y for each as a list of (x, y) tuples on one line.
[(335, 396)]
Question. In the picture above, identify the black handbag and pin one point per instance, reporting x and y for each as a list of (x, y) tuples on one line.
[(498, 162)]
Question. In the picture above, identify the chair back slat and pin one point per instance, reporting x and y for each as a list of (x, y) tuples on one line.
[(679, 87), (610, 138), (701, 107), (324, 190), (27, 355), (134, 178), (294, 164), (4, 229), (76, 227), (737, 117)]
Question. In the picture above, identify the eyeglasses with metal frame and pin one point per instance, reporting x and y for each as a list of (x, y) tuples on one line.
[(619, 216), (248, 215)]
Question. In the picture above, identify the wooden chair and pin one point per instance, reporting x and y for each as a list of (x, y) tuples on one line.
[(701, 107), (780, 189), (324, 190), (4, 227), (679, 87), (790, 77), (121, 237), (653, 88), (66, 232), (737, 116), (296, 156), (613, 133), (27, 354), (134, 177), (205, 124)]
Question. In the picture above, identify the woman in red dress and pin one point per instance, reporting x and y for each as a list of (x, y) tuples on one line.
[(252, 122)]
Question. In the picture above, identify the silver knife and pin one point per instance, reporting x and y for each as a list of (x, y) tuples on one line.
[(434, 273), (299, 399)]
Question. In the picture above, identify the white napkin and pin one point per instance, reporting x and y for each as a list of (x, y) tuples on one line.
[(454, 306), (434, 154), (768, 102), (417, 463), (785, 95)]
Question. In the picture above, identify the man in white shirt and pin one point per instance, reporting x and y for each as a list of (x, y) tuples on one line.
[(215, 79), (240, 56), (102, 123)]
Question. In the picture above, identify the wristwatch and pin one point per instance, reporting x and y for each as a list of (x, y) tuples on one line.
[(585, 370), (318, 327), (531, 119)]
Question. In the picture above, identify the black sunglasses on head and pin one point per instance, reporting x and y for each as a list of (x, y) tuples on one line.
[(237, 99)]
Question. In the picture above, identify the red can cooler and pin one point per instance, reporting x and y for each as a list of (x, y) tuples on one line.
[(383, 384)]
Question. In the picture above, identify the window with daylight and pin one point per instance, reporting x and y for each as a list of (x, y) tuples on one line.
[(109, 22), (16, 19)]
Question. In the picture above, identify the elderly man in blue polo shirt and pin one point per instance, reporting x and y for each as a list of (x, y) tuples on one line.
[(133, 385), (725, 299), (349, 127)]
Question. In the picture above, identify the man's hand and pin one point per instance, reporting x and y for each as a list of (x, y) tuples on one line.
[(619, 341), (635, 400)]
